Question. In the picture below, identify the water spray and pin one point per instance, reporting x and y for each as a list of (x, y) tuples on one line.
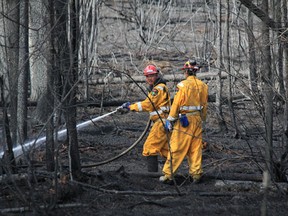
[(62, 134)]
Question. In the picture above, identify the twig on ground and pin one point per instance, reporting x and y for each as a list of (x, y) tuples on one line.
[(25, 209), (6, 179), (149, 193)]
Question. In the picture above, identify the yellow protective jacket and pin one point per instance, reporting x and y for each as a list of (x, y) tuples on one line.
[(158, 99), (191, 96), (157, 140)]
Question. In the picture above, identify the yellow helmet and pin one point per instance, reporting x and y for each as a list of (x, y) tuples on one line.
[(190, 65)]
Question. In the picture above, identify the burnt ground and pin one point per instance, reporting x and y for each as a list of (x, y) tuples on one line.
[(231, 184)]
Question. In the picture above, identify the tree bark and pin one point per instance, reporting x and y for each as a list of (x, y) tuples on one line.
[(268, 82), (50, 146), (8, 157), (221, 121), (278, 14), (12, 52), (261, 14), (229, 71), (70, 89), (252, 55), (24, 73), (285, 21), (67, 60)]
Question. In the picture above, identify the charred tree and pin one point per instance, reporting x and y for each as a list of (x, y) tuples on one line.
[(267, 79), (11, 31), (50, 146), (24, 73), (67, 45), (230, 76), (220, 116), (9, 163)]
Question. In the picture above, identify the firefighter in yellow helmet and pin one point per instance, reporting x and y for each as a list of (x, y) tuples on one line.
[(188, 110), (158, 105)]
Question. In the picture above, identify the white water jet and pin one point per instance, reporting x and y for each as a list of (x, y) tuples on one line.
[(62, 134)]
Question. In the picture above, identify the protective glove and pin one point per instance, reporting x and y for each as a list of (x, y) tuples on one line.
[(124, 108), (168, 126), (126, 105), (184, 120)]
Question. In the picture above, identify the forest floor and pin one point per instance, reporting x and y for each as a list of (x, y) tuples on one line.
[(231, 184)]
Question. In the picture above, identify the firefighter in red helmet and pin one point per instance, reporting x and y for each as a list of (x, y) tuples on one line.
[(158, 105), (188, 110)]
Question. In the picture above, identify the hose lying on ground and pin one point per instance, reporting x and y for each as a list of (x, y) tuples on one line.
[(122, 153)]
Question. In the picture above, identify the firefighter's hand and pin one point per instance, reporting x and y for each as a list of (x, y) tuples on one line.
[(168, 126), (124, 108), (126, 105)]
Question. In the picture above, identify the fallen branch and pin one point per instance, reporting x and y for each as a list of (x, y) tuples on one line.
[(150, 203), (248, 185), (211, 98), (234, 176), (147, 193), (217, 194), (22, 209), (8, 179), (146, 174), (176, 77), (141, 79)]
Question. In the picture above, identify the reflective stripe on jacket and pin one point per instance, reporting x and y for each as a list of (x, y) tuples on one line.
[(160, 111), (191, 108)]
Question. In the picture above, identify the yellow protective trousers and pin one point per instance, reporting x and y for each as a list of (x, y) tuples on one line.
[(185, 142), (157, 141)]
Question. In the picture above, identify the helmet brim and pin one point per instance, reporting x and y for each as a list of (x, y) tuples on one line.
[(152, 73), (192, 68)]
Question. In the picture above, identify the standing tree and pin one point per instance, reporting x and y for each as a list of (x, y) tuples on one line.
[(23, 81), (230, 76), (268, 82), (89, 36), (222, 123), (11, 30), (252, 55), (67, 45), (50, 88), (280, 77), (285, 47)]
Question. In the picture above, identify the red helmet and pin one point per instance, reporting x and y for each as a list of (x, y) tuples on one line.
[(150, 69), (190, 65)]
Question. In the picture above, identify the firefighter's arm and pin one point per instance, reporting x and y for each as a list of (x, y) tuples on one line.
[(147, 104), (136, 107), (174, 111)]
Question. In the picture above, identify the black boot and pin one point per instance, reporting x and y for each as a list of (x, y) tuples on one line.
[(152, 163)]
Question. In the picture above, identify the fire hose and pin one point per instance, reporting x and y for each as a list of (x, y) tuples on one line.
[(122, 153), (61, 134)]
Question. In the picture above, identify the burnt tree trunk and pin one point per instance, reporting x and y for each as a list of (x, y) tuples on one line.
[(9, 163), (221, 120), (70, 90), (24, 74)]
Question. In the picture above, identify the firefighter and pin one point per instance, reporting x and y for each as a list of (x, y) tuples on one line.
[(188, 110), (158, 105)]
